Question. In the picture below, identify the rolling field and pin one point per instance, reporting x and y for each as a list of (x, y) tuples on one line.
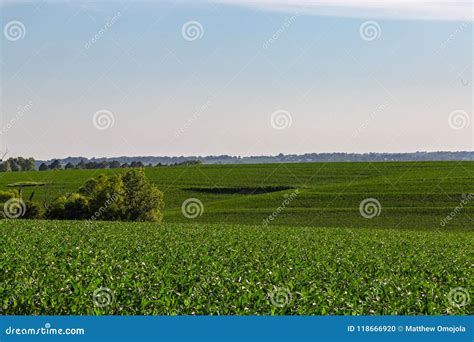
[(411, 195), (318, 255)]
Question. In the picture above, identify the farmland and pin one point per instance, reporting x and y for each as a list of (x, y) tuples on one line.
[(55, 267), (411, 195), (317, 255)]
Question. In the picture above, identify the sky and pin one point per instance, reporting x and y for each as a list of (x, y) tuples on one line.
[(236, 77)]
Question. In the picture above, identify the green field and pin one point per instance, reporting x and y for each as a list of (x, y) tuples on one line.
[(412, 195), (318, 256)]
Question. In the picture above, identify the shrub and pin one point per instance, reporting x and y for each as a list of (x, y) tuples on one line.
[(130, 197), (143, 199), (76, 207), (106, 197), (33, 210), (56, 210), (6, 195)]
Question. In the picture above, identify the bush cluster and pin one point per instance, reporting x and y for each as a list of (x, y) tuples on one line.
[(127, 197)]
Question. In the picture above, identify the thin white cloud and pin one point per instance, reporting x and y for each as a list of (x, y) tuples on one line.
[(459, 10)]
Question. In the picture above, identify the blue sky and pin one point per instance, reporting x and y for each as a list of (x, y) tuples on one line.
[(259, 77)]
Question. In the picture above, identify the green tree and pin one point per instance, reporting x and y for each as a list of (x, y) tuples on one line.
[(106, 197), (5, 166), (55, 165), (43, 167), (143, 200), (69, 166)]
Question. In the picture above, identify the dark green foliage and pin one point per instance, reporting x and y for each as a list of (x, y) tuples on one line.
[(55, 165), (33, 210), (77, 207), (17, 164), (43, 167), (143, 200), (127, 197), (6, 195)]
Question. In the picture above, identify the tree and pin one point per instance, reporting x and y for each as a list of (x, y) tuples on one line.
[(136, 164), (106, 197), (143, 199), (129, 197), (43, 167), (55, 165), (81, 164), (5, 166), (114, 164), (69, 166), (14, 165)]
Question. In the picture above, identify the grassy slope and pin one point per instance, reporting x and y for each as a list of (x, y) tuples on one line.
[(413, 195), (54, 267)]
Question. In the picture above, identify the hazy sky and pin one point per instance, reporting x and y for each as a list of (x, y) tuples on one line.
[(239, 77)]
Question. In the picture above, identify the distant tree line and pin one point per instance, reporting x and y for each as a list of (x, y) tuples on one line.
[(113, 164), (17, 164)]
